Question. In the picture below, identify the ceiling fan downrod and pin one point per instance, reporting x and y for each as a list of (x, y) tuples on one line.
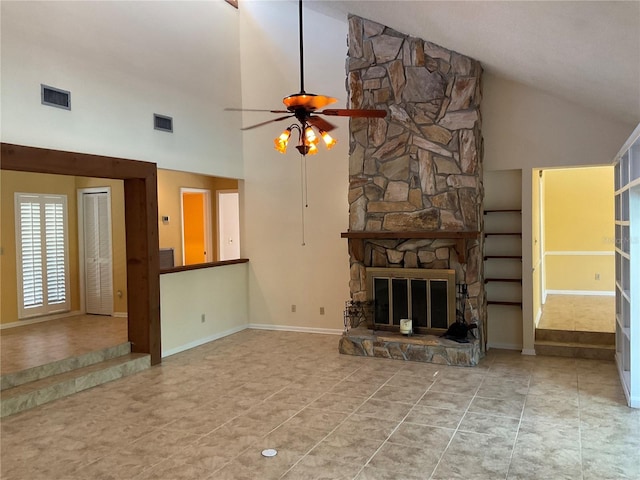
[(301, 42)]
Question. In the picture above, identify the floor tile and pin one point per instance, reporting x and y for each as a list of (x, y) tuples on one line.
[(366, 428), (343, 447), (383, 409), (422, 436), (251, 464), (495, 406), (312, 467), (489, 425), (620, 465), (317, 419), (394, 393), (435, 417), (579, 313), (405, 460), (445, 400), (208, 413), (370, 473)]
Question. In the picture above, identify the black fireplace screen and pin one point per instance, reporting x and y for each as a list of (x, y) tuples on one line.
[(425, 301)]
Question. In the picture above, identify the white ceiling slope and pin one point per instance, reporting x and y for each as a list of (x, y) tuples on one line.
[(587, 52)]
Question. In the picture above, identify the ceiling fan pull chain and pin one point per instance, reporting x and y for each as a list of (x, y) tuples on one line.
[(306, 189), (303, 175)]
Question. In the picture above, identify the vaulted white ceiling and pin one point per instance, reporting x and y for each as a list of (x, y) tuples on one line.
[(583, 51)]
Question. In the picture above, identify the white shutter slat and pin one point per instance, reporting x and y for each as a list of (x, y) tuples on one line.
[(55, 245), (31, 255), (41, 232)]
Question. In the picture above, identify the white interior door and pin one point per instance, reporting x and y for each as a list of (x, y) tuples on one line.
[(98, 282), (228, 225)]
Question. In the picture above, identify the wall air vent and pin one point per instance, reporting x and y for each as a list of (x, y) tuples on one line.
[(54, 97), (162, 122)]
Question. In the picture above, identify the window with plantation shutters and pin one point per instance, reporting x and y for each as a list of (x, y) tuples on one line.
[(42, 254)]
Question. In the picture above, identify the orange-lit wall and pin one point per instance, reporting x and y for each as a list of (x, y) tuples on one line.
[(169, 184)]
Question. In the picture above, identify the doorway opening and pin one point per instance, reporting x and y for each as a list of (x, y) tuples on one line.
[(196, 226), (141, 228), (576, 249)]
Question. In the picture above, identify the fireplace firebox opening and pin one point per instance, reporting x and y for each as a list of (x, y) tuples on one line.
[(426, 296)]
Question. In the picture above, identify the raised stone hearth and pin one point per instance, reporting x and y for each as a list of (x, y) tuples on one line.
[(418, 348)]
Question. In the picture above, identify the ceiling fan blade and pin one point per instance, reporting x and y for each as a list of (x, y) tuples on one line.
[(346, 112), (320, 101), (308, 101), (254, 110), (320, 123), (266, 123)]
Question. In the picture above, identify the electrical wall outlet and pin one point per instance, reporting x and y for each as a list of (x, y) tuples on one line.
[(202, 318), (321, 310), (597, 276), (293, 309)]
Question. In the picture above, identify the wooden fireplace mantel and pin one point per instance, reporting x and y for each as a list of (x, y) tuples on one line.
[(459, 236)]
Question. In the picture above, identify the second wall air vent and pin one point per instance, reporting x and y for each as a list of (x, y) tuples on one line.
[(162, 122), (54, 97)]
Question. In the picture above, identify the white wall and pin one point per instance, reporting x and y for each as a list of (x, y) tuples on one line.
[(524, 128), (219, 293), (121, 68), (282, 272)]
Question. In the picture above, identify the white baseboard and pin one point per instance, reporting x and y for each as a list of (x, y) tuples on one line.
[(504, 346), (202, 341), (47, 318), (120, 314), (603, 293), (528, 351), (290, 328)]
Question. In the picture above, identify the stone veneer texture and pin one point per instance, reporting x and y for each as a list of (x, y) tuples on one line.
[(420, 168), (428, 349)]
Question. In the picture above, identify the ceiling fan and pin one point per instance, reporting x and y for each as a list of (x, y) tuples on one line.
[(305, 107)]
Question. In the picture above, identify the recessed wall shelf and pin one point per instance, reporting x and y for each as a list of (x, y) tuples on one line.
[(503, 256)]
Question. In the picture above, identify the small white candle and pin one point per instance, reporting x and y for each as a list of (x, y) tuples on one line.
[(406, 326)]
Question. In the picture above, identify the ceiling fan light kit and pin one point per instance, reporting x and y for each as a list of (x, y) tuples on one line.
[(307, 140), (305, 108)]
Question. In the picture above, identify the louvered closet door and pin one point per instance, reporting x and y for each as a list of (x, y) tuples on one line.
[(97, 254)]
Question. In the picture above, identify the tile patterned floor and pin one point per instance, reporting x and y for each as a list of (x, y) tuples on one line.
[(579, 313), (208, 413), (41, 343)]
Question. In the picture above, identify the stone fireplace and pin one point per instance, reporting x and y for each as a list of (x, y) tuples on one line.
[(415, 177)]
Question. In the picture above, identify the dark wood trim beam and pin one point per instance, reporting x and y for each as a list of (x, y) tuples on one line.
[(143, 280), (198, 266), (59, 162)]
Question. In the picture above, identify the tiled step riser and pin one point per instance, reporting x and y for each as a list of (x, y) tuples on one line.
[(588, 338), (593, 353), (11, 380), (19, 403)]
